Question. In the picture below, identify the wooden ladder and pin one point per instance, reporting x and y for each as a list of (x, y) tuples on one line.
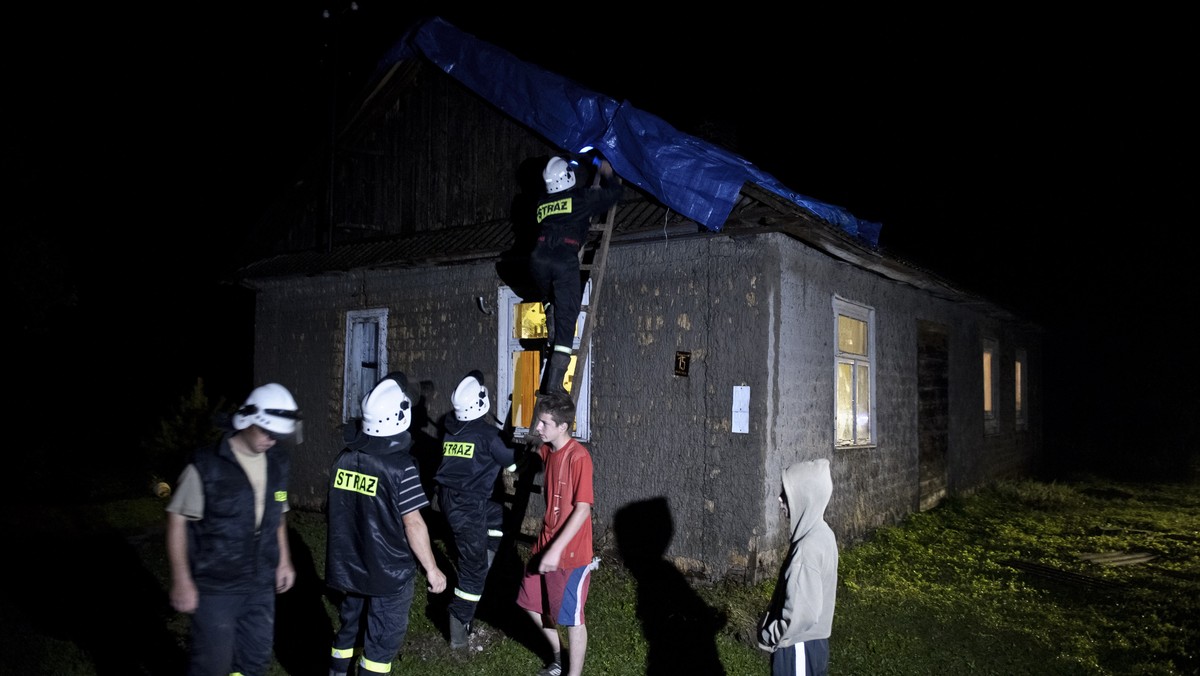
[(594, 266)]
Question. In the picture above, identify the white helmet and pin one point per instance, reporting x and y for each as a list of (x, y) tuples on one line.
[(559, 175), (470, 398), (271, 407), (386, 411)]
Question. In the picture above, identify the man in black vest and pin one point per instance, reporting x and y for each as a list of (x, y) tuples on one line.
[(227, 539)]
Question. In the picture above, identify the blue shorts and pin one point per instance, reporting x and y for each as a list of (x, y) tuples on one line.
[(558, 594)]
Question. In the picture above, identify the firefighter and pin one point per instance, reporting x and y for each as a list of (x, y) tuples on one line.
[(564, 216), (472, 456), (376, 534), (227, 539)]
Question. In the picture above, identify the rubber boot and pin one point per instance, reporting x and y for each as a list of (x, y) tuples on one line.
[(556, 371), (458, 633)]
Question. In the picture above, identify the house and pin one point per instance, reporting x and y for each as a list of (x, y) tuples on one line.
[(743, 326)]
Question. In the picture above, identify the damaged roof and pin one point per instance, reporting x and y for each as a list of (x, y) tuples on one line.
[(691, 176)]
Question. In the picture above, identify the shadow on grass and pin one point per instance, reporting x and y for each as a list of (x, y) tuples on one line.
[(679, 626), (68, 584), (498, 607), (303, 630)]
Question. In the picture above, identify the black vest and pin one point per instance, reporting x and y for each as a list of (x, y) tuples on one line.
[(227, 553)]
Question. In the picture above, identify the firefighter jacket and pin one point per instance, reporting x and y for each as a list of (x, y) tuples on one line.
[(564, 217), (373, 484), (472, 456)]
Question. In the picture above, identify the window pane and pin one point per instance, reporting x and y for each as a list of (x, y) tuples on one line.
[(852, 335), (365, 357), (845, 404), (526, 377), (1017, 375), (862, 405), (529, 321), (987, 382)]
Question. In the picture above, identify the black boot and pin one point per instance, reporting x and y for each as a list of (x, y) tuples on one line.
[(556, 371), (458, 633)]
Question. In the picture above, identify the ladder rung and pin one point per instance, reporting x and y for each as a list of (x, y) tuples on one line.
[(596, 274)]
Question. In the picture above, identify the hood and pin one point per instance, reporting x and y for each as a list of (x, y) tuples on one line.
[(808, 486)]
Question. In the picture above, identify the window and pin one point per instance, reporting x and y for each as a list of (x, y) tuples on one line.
[(521, 337), (1022, 391), (366, 358), (854, 378), (991, 386)]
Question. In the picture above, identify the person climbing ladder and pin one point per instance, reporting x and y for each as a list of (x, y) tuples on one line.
[(564, 216)]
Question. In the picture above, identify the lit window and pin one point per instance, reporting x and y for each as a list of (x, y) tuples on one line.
[(854, 378), (521, 337), (991, 386), (1022, 390), (366, 358)]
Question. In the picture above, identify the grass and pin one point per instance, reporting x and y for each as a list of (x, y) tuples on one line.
[(1020, 578)]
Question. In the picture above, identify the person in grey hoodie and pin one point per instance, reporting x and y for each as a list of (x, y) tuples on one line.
[(796, 627)]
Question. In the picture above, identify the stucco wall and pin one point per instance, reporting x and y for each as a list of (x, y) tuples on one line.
[(663, 436)]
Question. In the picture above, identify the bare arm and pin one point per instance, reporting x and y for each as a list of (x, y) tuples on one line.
[(285, 572), (418, 541), (184, 597), (552, 555)]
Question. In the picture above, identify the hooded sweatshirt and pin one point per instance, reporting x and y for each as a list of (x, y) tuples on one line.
[(802, 606)]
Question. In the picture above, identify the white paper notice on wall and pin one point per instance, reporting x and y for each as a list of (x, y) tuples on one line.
[(741, 409)]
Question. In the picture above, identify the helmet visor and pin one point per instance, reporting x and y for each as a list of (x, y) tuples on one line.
[(297, 433)]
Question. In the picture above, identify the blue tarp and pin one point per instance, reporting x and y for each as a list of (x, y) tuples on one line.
[(685, 173)]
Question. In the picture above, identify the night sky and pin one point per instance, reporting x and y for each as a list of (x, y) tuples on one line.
[(1037, 160)]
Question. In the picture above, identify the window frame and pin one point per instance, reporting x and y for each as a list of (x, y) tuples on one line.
[(1021, 390), (866, 314), (507, 345), (354, 386), (990, 365)]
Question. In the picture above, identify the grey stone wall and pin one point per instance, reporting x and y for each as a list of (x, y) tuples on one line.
[(751, 311)]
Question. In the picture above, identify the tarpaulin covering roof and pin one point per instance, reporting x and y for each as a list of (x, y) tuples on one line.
[(685, 173)]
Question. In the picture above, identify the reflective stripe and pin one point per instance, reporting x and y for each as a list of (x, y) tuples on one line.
[(376, 667), (467, 596), (343, 653), (493, 533)]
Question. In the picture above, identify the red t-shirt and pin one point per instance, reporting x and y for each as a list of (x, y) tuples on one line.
[(568, 481)]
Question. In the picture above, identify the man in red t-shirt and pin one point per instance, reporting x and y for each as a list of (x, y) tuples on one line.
[(554, 589)]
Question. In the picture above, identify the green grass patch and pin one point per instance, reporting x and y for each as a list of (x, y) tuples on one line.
[(1022, 577)]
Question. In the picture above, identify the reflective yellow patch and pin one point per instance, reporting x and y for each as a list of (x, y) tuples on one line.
[(353, 481), (458, 449), (280, 496), (562, 206)]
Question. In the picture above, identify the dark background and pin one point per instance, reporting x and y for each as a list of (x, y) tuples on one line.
[(1039, 160)]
